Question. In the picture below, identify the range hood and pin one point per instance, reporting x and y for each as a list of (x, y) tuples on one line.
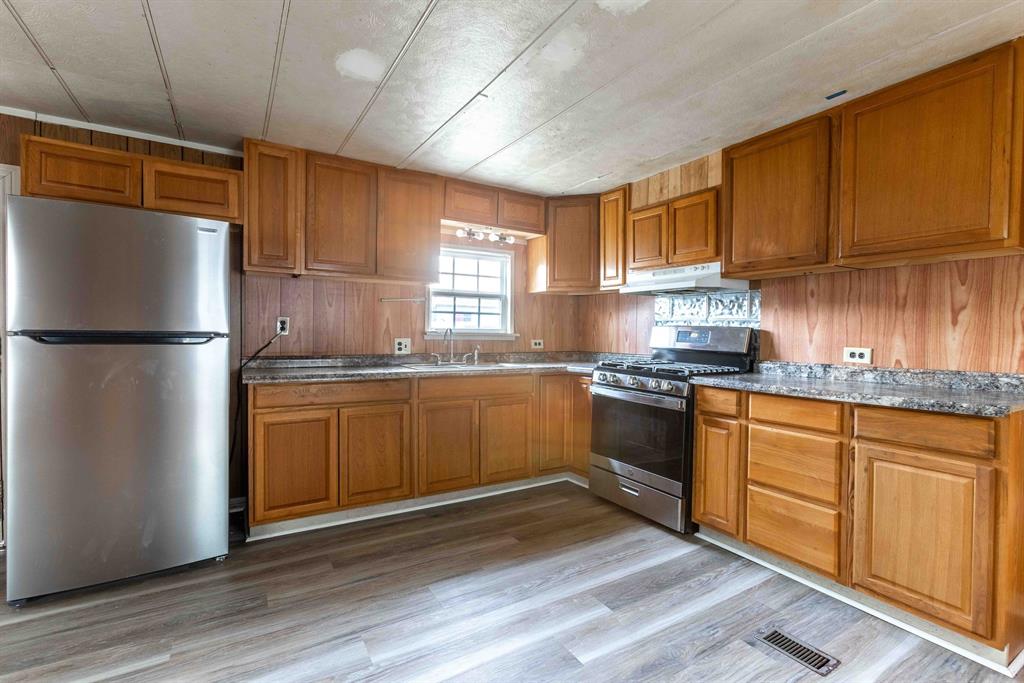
[(706, 277)]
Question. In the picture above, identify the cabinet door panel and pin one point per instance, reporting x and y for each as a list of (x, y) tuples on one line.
[(613, 238), (193, 190), (409, 225), (693, 229), (295, 464), (449, 456), (376, 457), (716, 473), (518, 211), (775, 203), (581, 423), (926, 163), (341, 215), (923, 533), (804, 464), (506, 437), (801, 531), (274, 206), (69, 171), (647, 238), (555, 422), (572, 243), (470, 202)]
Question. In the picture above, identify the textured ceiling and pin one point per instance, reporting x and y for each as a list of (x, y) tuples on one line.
[(548, 96)]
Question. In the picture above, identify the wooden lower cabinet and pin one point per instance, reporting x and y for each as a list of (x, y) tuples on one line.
[(449, 445), (804, 532), (582, 409), (506, 439), (716, 473), (294, 467), (924, 532), (376, 453), (555, 409)]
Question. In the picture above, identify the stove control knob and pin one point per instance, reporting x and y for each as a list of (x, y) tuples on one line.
[(656, 384), (633, 381), (602, 377), (613, 379)]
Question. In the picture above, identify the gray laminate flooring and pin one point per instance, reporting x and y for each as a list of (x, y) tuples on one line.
[(545, 584)]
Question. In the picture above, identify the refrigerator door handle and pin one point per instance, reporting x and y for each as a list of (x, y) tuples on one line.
[(110, 339)]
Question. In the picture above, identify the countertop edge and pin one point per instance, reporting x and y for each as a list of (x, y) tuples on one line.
[(363, 374)]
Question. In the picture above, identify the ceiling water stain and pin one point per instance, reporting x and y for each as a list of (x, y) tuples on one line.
[(361, 65)]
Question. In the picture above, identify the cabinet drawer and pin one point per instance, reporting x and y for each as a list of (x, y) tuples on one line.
[(721, 401), (959, 433), (68, 171), (280, 395), (195, 190), (475, 387), (804, 532), (797, 412), (807, 465)]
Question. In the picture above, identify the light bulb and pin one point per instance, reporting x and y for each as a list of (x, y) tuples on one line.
[(494, 237), (510, 239), (478, 235), (460, 232)]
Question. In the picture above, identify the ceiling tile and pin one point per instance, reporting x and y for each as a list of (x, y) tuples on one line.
[(104, 53), (315, 105), (25, 80), (220, 58)]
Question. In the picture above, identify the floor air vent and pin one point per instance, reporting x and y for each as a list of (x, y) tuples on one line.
[(814, 659)]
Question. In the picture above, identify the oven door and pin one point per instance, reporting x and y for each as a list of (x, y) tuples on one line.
[(641, 436)]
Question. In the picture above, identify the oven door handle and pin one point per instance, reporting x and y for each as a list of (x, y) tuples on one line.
[(639, 397)]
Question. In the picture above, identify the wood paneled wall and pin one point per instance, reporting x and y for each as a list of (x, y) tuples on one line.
[(693, 176), (12, 127), (963, 315), (615, 323), (338, 317)]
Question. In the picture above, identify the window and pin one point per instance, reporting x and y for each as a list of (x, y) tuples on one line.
[(474, 295)]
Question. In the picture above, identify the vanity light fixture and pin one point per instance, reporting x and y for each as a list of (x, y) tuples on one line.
[(480, 235)]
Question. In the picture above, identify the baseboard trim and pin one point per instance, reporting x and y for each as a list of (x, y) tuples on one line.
[(1010, 670), (295, 526)]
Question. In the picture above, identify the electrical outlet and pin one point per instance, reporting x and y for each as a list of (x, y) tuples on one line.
[(403, 346), (536, 343), (284, 325), (856, 354)]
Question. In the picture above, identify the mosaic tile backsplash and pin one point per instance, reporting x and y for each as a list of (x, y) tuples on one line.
[(724, 309)]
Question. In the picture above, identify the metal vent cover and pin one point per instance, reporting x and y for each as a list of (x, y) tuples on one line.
[(794, 648)]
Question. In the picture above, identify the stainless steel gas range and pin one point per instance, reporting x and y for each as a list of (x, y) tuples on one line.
[(642, 431)]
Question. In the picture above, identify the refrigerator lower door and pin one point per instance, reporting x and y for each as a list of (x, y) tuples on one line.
[(117, 460)]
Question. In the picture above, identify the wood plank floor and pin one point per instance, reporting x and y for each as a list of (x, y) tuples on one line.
[(546, 584)]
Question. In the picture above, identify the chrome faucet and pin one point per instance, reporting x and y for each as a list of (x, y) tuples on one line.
[(475, 354), (449, 335)]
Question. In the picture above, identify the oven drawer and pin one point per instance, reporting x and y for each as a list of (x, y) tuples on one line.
[(643, 500)]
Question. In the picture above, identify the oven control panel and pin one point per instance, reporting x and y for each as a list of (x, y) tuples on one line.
[(639, 383)]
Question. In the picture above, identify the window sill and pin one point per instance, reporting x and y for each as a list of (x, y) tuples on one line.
[(473, 336)]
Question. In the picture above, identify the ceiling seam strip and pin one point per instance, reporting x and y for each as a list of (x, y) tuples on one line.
[(155, 39), (282, 27), (46, 59), (483, 91), (391, 70)]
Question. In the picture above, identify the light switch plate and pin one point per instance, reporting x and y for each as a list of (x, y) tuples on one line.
[(403, 346), (536, 343), (857, 354)]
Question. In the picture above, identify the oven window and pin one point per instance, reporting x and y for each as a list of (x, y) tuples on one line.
[(647, 437)]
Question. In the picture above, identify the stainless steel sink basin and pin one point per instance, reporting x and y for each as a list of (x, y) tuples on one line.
[(432, 366)]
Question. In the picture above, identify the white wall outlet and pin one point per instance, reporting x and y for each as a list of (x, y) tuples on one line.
[(403, 346), (284, 325), (856, 354), (536, 343)]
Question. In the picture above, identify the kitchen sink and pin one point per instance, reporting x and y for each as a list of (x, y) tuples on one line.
[(458, 366)]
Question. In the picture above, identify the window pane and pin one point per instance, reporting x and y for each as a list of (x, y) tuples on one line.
[(446, 264), (442, 303), (465, 321), (491, 285), (491, 306), (467, 305), (466, 266), (466, 282), (441, 321), (490, 322), (490, 268), (445, 282)]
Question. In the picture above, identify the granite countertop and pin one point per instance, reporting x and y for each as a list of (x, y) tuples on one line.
[(353, 373), (938, 398)]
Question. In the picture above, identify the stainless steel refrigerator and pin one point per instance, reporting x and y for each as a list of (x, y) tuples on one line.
[(116, 386)]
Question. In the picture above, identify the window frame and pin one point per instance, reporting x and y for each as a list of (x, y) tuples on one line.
[(507, 296)]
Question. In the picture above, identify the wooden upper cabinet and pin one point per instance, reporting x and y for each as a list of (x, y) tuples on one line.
[(506, 439), (449, 455), (341, 215), (70, 171), (924, 530), (409, 225), (693, 229), (572, 243), (647, 238), (716, 473), (376, 453), (926, 164), (274, 207), (776, 214), (613, 238), (518, 211), (192, 189), (470, 202)]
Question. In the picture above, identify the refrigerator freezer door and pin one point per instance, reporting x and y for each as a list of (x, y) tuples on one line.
[(81, 267), (117, 461)]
